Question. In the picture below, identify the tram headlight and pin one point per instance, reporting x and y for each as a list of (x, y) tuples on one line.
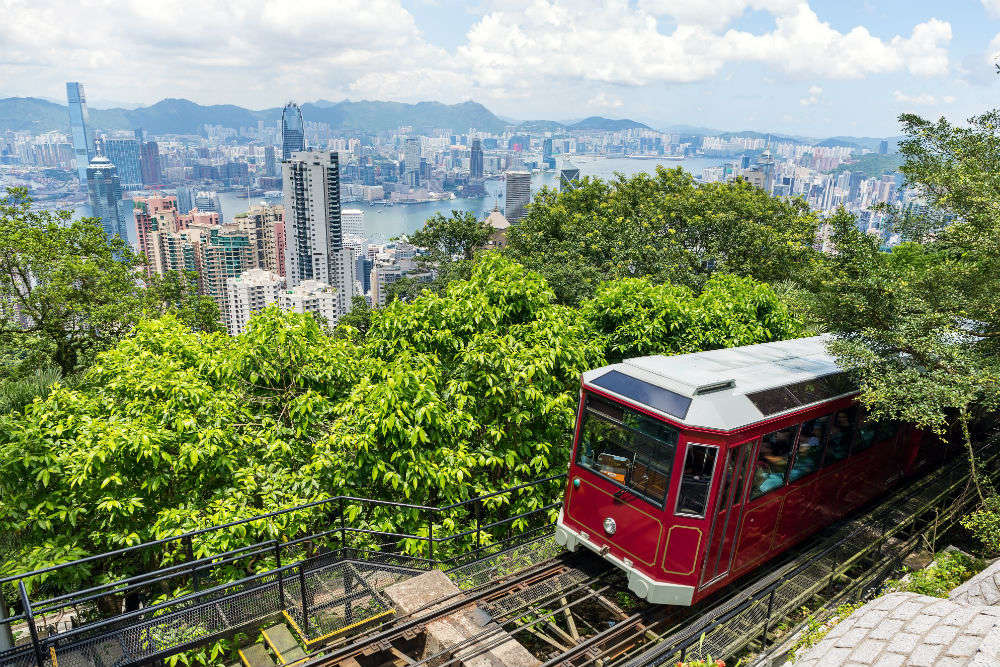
[(610, 526)]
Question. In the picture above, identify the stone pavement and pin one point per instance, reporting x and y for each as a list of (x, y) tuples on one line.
[(911, 629), (982, 589)]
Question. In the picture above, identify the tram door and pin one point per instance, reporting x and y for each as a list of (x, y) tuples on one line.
[(729, 510)]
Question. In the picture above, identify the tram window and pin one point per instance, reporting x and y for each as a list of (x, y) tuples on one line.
[(885, 430), (841, 430), (772, 461), (699, 463), (866, 436), (627, 448), (809, 453)]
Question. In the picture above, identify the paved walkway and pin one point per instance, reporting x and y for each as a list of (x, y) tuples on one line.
[(908, 629)]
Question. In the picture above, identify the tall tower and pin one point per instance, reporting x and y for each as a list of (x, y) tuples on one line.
[(314, 239), (476, 159), (105, 192), (411, 160), (568, 177), (518, 195), (292, 131), (125, 154), (83, 140)]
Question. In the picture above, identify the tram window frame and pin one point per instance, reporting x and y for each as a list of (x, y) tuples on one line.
[(644, 431), (798, 447), (755, 492), (859, 445), (686, 478), (854, 413)]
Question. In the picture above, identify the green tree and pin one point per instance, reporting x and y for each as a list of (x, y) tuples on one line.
[(664, 226), (177, 293), (357, 321), (920, 326), (454, 237), (67, 292)]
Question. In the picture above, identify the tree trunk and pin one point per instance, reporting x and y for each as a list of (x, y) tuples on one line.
[(963, 417)]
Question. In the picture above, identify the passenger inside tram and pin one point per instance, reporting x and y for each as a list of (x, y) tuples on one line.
[(772, 461)]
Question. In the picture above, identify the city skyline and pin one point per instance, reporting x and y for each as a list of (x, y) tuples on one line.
[(767, 65)]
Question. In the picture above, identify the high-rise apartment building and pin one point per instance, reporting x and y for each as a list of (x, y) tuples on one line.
[(292, 131), (518, 187), (270, 164), (476, 159), (353, 222), (261, 225), (83, 140), (150, 162), (314, 296), (249, 293), (125, 154), (185, 199), (314, 235), (105, 192)]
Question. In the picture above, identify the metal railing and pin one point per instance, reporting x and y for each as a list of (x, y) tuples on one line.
[(181, 580)]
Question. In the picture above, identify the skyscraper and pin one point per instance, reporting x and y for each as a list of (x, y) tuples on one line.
[(353, 222), (125, 155), (411, 161), (249, 293), (567, 178), (208, 200), (292, 130), (105, 192), (518, 195), (883, 147), (83, 140), (314, 241), (150, 161), (476, 159), (185, 200), (270, 166)]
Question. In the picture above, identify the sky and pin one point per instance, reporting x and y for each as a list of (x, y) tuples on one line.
[(815, 68)]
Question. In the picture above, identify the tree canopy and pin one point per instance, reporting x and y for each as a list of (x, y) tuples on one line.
[(445, 397), (663, 226)]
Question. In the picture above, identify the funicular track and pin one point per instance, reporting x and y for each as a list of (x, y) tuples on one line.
[(548, 605), (570, 609)]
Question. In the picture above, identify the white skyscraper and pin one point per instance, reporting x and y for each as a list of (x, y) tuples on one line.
[(518, 195), (314, 239), (353, 222), (250, 293), (313, 296)]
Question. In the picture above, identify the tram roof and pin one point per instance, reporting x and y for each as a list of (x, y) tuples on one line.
[(731, 388)]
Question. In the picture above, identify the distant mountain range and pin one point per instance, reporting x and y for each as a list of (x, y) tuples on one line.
[(179, 116)]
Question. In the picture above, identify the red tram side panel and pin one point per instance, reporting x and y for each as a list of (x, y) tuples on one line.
[(690, 471)]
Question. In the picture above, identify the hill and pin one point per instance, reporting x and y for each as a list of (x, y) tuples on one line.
[(872, 165), (607, 124)]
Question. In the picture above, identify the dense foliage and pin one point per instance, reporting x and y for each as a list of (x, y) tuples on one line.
[(663, 226), (445, 397), (920, 326)]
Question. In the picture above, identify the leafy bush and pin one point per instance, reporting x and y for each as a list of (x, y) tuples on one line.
[(984, 523), (948, 570)]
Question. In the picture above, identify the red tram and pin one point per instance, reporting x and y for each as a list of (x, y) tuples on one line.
[(689, 471)]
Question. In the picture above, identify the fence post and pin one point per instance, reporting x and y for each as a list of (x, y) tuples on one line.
[(305, 604), (31, 623), (281, 578), (767, 618), (6, 633), (343, 530), (477, 505), (430, 538), (189, 550)]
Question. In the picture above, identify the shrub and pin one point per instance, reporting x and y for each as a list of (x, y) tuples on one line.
[(985, 524)]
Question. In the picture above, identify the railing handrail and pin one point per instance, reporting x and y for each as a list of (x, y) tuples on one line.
[(239, 522)]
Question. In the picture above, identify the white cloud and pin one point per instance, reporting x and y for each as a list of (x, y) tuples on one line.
[(813, 97), (992, 7), (605, 101), (922, 99)]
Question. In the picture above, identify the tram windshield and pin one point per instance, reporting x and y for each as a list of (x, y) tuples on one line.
[(628, 448)]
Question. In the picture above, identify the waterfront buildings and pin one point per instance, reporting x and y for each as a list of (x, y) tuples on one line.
[(518, 187), (292, 131), (476, 159), (353, 222), (411, 161), (250, 293), (206, 201), (314, 235), (105, 192), (83, 140)]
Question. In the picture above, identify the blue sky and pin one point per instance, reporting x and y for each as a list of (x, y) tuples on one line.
[(815, 68)]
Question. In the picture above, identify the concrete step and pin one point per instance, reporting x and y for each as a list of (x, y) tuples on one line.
[(256, 655)]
